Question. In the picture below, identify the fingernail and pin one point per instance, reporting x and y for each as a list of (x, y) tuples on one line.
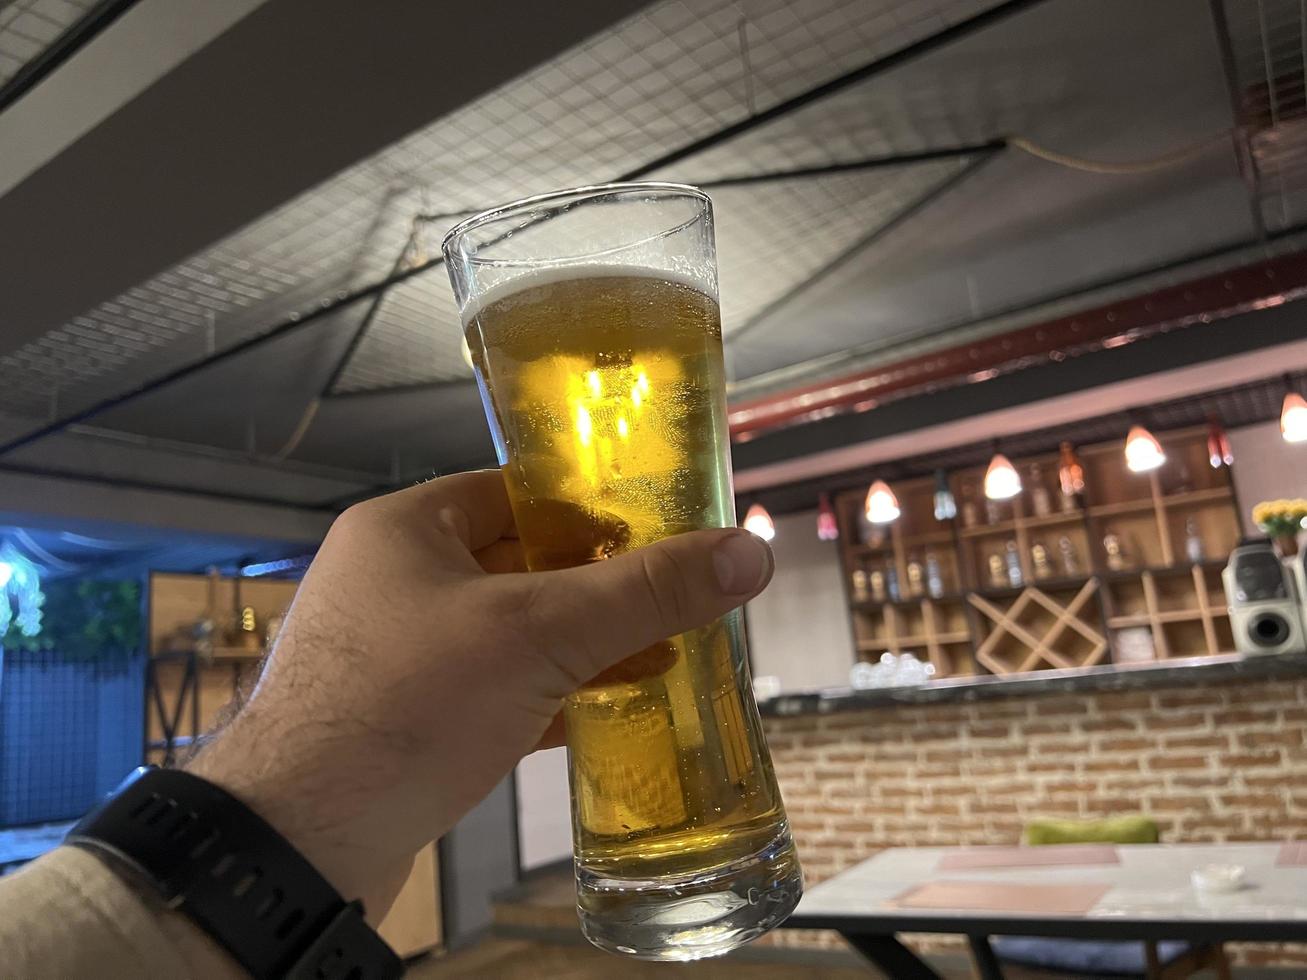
[(741, 562)]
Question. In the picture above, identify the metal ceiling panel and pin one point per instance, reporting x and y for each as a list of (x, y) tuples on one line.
[(1268, 48), (677, 71), (28, 27)]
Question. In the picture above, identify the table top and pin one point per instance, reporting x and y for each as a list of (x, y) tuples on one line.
[(1149, 895)]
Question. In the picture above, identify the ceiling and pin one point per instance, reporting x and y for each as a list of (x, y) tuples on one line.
[(312, 355), (30, 27)]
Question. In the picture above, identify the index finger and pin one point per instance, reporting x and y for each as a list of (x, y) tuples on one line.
[(473, 506)]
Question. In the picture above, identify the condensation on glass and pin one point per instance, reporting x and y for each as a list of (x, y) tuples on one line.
[(593, 322)]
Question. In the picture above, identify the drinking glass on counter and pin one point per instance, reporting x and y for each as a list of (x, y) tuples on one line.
[(593, 322)]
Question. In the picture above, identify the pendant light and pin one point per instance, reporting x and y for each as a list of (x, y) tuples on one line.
[(1219, 452), (1070, 471), (1002, 481), (759, 522), (882, 505), (1293, 418), (946, 508), (1143, 452), (827, 527)]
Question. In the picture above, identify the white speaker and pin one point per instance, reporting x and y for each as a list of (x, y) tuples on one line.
[(1298, 563), (1264, 609)]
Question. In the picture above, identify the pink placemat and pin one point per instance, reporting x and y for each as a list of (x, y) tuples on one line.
[(1293, 854), (1028, 857), (985, 896)]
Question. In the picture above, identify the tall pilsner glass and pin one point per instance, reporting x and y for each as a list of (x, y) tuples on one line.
[(593, 324)]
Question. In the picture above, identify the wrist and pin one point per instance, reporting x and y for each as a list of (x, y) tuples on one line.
[(309, 800), (207, 854)]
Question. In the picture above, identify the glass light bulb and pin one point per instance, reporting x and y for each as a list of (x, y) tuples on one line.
[(1293, 418), (882, 505), (827, 527), (1142, 450), (1002, 481), (759, 522)]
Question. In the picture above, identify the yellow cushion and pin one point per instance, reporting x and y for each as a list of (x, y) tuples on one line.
[(1112, 830)]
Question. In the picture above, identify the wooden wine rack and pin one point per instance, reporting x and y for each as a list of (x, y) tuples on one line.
[(1058, 616)]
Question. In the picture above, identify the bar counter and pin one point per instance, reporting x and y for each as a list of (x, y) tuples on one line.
[(1202, 671)]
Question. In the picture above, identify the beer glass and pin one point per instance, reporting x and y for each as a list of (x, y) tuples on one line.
[(593, 324)]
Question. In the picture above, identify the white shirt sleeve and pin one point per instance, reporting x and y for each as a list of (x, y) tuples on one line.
[(68, 915)]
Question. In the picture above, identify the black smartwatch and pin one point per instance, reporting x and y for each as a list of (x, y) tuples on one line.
[(211, 857)]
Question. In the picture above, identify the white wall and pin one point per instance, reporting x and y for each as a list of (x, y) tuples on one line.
[(1266, 468), (544, 823), (799, 628)]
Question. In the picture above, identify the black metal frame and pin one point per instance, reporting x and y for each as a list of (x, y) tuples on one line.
[(297, 321), (170, 723), (1242, 150), (866, 241), (875, 936), (67, 44), (892, 60)]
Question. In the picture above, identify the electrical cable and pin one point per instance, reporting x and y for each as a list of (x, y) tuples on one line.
[(1163, 162)]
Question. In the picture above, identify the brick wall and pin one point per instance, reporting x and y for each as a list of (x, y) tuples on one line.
[(1225, 763)]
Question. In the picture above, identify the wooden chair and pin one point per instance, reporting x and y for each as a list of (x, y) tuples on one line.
[(1041, 958)]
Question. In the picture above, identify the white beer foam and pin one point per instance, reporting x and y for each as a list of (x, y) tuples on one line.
[(588, 270)]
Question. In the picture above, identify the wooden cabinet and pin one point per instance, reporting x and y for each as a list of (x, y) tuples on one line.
[(1043, 581), (412, 925), (188, 694)]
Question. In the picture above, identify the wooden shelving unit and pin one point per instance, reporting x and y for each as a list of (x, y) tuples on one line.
[(999, 611)]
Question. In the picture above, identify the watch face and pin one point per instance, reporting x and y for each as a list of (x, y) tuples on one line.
[(1259, 575)]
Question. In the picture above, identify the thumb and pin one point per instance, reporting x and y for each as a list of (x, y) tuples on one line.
[(588, 618)]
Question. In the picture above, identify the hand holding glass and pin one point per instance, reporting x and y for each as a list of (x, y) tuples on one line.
[(593, 323)]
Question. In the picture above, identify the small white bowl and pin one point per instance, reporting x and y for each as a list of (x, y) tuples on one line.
[(1218, 878)]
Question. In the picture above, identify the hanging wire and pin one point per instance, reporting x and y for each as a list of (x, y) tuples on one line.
[(1163, 162), (747, 64), (1272, 101)]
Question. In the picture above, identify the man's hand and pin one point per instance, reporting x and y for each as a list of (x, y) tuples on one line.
[(419, 664)]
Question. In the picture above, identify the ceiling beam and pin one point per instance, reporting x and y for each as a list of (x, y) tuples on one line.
[(1272, 282), (33, 497), (977, 424)]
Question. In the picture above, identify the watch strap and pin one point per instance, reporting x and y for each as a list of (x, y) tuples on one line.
[(211, 857)]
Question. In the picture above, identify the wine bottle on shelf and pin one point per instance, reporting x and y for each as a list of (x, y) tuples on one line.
[(1013, 561), (1039, 498), (892, 582), (1070, 559), (946, 508), (970, 516), (877, 582), (1115, 550), (860, 586), (1043, 568), (997, 571), (916, 577), (1193, 541), (1071, 477), (934, 576), (992, 512)]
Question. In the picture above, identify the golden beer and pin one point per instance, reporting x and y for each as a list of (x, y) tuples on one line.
[(606, 389)]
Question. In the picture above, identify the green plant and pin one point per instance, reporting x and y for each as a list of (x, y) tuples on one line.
[(89, 620)]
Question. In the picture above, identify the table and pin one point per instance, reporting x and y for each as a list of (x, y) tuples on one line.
[(1150, 897)]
